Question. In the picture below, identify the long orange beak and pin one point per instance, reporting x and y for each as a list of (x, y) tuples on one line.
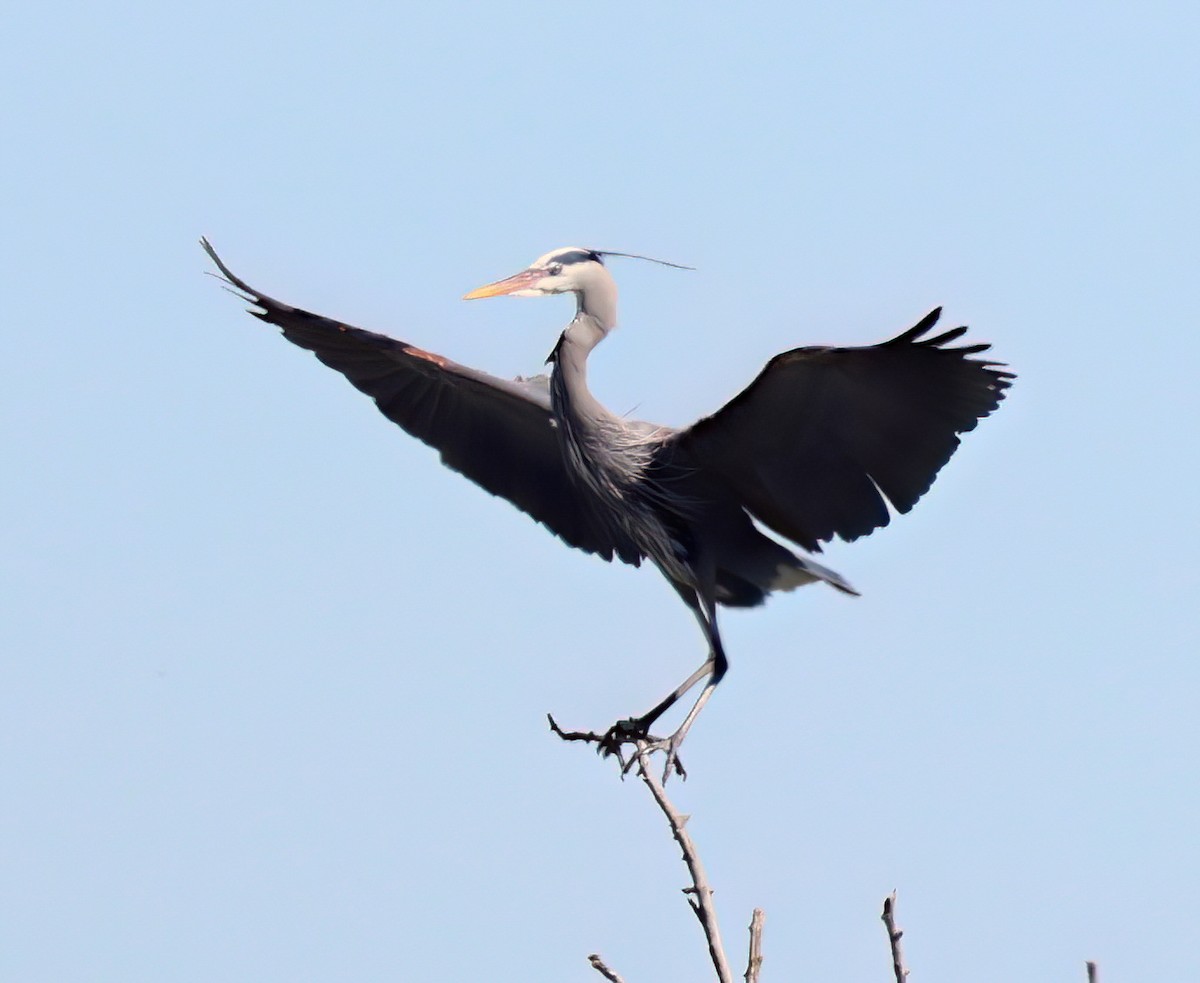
[(509, 285)]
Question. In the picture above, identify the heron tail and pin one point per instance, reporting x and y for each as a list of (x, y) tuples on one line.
[(801, 570)]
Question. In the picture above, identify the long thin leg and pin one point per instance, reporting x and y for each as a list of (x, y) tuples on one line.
[(706, 614), (720, 665), (714, 668), (641, 725), (647, 719)]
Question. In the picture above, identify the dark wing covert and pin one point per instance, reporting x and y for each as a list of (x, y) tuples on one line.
[(814, 444), (497, 432)]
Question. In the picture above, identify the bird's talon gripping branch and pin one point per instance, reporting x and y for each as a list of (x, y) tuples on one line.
[(673, 762), (631, 730), (634, 731), (670, 746)]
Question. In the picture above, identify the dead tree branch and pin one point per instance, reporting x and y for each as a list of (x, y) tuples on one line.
[(894, 935), (1093, 973), (700, 894), (754, 963), (599, 966)]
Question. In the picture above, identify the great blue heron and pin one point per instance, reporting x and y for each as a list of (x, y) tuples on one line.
[(815, 447)]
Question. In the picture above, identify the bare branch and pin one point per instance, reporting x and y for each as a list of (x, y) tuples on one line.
[(611, 744), (755, 962), (700, 893), (590, 736), (599, 966), (894, 935)]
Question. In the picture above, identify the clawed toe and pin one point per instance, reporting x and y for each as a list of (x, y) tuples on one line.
[(634, 731), (671, 746)]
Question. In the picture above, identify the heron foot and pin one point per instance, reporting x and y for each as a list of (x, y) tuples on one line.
[(671, 746), (635, 731), (632, 731)]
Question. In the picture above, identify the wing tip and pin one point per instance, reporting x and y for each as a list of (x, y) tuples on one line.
[(241, 289), (212, 254), (1001, 379), (920, 328), (226, 273)]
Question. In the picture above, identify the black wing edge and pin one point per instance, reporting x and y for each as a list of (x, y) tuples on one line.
[(579, 532), (913, 337), (240, 288)]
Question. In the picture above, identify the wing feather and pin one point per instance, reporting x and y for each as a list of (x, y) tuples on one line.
[(825, 437), (497, 432)]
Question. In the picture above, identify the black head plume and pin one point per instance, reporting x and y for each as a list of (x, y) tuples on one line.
[(648, 259)]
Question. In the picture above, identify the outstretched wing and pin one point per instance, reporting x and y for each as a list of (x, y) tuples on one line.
[(499, 433), (814, 445)]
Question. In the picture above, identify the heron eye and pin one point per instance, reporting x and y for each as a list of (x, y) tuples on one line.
[(555, 269)]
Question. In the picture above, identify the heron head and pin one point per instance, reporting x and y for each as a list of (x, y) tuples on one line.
[(571, 269)]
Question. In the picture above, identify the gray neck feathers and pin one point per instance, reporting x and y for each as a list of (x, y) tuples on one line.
[(597, 297)]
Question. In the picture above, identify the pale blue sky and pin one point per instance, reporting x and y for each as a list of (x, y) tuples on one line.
[(273, 682)]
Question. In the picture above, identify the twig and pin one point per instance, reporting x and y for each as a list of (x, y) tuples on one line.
[(603, 970), (590, 736), (607, 744), (755, 962), (894, 935), (1093, 973)]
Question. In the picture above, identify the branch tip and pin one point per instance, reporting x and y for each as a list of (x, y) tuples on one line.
[(754, 963), (599, 966), (894, 936)]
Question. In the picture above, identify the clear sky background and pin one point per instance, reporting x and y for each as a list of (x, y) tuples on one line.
[(273, 681)]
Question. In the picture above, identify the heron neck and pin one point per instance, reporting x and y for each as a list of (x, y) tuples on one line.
[(584, 333), (569, 389), (598, 302), (595, 317)]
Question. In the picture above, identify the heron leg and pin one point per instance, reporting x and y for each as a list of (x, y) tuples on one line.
[(714, 668), (646, 720), (719, 664)]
